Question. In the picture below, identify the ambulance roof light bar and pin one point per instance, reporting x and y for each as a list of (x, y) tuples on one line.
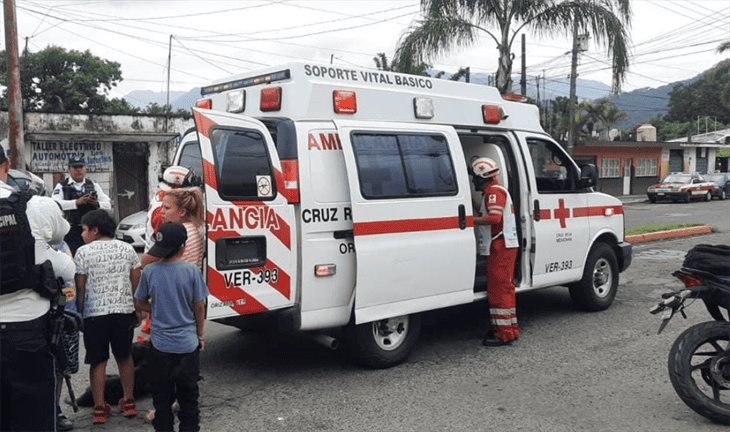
[(247, 82)]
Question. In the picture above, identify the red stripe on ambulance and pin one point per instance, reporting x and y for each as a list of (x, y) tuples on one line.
[(203, 124), (409, 225), (232, 296), (598, 211), (249, 215), (209, 174)]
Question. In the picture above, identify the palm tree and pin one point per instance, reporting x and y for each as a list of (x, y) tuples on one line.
[(448, 23), (725, 46)]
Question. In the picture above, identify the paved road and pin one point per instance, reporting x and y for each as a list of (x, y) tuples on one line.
[(571, 371), (715, 213)]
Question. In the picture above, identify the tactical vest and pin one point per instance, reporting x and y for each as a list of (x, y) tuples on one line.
[(17, 245), (70, 193)]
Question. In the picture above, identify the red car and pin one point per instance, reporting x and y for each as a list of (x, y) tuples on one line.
[(681, 187)]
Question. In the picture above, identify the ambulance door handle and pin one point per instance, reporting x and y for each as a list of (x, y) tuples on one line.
[(462, 216), (536, 211), (343, 234)]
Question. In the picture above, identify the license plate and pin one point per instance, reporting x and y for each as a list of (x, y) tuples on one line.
[(660, 193)]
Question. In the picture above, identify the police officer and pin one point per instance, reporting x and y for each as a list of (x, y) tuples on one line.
[(497, 238), (79, 195), (27, 372)]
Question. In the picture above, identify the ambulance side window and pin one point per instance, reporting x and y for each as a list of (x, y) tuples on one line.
[(191, 159), (403, 165), (242, 163), (554, 171)]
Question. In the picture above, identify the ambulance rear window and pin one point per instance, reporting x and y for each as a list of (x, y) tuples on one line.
[(403, 165), (242, 161)]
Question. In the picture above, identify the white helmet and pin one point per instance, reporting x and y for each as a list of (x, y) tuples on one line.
[(484, 167), (175, 175)]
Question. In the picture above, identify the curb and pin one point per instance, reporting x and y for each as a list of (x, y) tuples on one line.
[(670, 234)]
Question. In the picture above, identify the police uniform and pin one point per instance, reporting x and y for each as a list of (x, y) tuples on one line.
[(66, 192), (27, 370)]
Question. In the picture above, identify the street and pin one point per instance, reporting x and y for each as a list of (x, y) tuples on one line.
[(570, 370)]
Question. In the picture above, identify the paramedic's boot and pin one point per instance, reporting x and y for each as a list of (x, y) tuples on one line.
[(491, 341)]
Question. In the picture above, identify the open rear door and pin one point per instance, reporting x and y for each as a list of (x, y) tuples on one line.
[(250, 224), (412, 220)]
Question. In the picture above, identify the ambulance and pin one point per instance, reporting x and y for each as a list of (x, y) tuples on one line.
[(339, 203)]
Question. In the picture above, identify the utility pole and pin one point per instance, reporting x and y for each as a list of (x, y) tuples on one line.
[(167, 100), (467, 75), (578, 45), (523, 80), (15, 100)]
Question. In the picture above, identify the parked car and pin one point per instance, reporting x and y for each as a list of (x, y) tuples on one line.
[(722, 184), (24, 180), (681, 187), (131, 229)]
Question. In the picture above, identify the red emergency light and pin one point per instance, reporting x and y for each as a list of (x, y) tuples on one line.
[(492, 114), (205, 103), (270, 99), (514, 97), (344, 101), (290, 172)]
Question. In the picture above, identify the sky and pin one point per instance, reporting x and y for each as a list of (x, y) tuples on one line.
[(671, 40)]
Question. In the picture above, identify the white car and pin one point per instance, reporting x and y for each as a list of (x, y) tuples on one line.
[(131, 229)]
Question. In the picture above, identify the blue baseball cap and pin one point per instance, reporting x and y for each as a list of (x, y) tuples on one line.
[(75, 161)]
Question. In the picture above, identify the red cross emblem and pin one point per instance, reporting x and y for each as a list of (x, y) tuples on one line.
[(561, 213)]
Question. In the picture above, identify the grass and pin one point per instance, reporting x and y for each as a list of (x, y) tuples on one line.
[(643, 229)]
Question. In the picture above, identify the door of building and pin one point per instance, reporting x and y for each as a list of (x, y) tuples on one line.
[(676, 161), (130, 192)]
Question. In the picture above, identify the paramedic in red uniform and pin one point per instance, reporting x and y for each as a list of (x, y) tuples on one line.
[(497, 238)]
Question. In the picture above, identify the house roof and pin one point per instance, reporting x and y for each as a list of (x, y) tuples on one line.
[(721, 137)]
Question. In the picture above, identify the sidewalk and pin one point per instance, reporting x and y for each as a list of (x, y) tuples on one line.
[(629, 199)]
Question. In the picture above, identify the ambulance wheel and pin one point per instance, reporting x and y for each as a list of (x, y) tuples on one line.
[(597, 289), (384, 343)]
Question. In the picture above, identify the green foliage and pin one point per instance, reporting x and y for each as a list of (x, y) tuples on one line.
[(60, 80), (708, 96), (448, 24), (644, 229)]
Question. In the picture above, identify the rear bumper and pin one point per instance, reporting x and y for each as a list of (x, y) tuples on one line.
[(624, 255)]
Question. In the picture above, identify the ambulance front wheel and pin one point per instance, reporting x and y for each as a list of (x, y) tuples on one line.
[(597, 289), (384, 343)]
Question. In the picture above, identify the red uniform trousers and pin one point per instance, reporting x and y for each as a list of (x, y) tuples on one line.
[(501, 291)]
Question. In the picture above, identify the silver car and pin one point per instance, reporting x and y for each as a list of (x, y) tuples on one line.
[(131, 229)]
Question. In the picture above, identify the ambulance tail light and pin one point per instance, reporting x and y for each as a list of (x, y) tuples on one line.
[(205, 103), (423, 107), (290, 171), (236, 101), (324, 270), (492, 114), (270, 99), (345, 102)]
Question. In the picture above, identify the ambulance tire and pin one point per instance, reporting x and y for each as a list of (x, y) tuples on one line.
[(385, 343), (597, 289)]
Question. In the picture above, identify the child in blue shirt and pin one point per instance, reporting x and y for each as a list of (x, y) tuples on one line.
[(174, 292)]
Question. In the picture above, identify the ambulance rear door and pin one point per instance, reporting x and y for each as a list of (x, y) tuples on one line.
[(250, 224), (412, 222)]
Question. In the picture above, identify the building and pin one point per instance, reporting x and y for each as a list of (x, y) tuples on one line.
[(628, 168), (125, 154)]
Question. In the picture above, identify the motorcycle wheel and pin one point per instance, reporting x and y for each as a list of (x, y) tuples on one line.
[(699, 368)]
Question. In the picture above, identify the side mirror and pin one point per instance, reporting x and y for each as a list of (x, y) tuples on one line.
[(588, 176)]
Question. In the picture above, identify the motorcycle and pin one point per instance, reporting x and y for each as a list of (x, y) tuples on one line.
[(699, 361)]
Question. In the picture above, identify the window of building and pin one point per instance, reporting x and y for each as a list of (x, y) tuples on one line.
[(403, 165), (646, 167), (610, 168)]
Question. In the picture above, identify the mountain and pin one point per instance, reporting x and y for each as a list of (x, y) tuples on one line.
[(643, 104), (142, 98)]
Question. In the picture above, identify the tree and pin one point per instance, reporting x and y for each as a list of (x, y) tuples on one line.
[(381, 62), (60, 80), (725, 46), (446, 23), (708, 96)]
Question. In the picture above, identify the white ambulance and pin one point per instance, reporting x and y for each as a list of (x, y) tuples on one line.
[(339, 202)]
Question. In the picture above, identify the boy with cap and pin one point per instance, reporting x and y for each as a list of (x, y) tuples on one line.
[(174, 292), (77, 196)]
